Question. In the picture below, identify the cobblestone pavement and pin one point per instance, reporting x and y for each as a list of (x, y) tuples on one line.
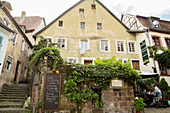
[(157, 110)]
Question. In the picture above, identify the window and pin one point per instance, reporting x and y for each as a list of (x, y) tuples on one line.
[(81, 11), (99, 25), (157, 42), (162, 68), (6, 21), (120, 46), (62, 43), (156, 24), (87, 60), (105, 45), (84, 44), (14, 38), (60, 24), (93, 6), (168, 43), (22, 45), (28, 51), (82, 25), (8, 63), (72, 60), (131, 47)]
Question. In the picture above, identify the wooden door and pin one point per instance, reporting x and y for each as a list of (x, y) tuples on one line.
[(135, 64)]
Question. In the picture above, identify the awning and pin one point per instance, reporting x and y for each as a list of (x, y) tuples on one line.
[(148, 74)]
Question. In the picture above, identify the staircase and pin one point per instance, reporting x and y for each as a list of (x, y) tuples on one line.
[(13, 98)]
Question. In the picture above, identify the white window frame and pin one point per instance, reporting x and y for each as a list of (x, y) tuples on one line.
[(74, 58), (82, 25), (108, 45), (10, 64), (124, 46), (64, 44), (129, 41), (88, 44), (87, 58), (14, 36), (28, 51), (23, 44)]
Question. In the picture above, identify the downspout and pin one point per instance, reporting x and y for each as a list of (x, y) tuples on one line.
[(147, 34)]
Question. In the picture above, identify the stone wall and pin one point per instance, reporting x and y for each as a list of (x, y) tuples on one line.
[(114, 101)]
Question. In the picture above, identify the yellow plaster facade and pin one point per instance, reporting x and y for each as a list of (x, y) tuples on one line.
[(15, 52), (112, 31)]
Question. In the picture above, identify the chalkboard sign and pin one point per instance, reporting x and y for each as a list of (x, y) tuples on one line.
[(52, 91)]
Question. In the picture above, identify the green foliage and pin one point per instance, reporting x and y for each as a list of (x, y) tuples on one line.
[(85, 82), (163, 57), (37, 106), (139, 104), (163, 85), (45, 48)]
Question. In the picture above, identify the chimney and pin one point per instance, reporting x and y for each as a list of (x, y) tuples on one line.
[(22, 16)]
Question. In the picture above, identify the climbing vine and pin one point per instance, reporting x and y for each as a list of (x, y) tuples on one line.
[(45, 49), (163, 57), (86, 82)]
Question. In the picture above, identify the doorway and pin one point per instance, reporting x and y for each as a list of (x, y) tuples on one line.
[(135, 64), (16, 70)]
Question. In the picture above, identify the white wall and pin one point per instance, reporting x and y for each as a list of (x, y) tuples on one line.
[(5, 34), (147, 68)]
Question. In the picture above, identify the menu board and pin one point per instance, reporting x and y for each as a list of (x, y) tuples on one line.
[(52, 92)]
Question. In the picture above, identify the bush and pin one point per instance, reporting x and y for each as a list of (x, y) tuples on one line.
[(163, 85), (139, 104)]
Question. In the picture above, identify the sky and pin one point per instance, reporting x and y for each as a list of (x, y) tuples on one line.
[(51, 9)]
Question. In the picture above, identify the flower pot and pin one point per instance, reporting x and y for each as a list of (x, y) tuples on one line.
[(137, 111)]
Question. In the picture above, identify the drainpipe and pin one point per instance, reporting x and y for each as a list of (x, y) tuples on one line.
[(147, 34)]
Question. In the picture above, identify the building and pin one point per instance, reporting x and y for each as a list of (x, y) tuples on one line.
[(30, 24), (150, 31), (18, 48), (5, 32), (87, 31)]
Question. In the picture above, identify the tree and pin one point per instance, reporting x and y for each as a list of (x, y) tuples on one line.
[(163, 85)]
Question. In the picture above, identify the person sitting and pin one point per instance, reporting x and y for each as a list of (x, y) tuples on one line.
[(157, 94), (145, 96)]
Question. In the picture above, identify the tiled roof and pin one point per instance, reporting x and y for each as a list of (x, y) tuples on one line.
[(8, 5), (30, 22), (148, 22)]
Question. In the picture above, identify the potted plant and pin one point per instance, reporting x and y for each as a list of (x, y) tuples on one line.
[(139, 104)]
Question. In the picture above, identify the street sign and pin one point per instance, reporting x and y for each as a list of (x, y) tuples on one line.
[(144, 52)]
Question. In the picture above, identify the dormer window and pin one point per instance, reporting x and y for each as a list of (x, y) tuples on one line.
[(156, 24), (6, 21), (93, 6)]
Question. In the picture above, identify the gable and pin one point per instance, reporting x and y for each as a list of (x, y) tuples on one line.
[(72, 18)]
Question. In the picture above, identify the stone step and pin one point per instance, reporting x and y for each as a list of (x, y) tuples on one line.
[(13, 110), (17, 90), (12, 100), (13, 97), (11, 104), (12, 94)]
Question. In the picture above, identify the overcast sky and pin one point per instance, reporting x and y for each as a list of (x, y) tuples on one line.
[(51, 9)]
